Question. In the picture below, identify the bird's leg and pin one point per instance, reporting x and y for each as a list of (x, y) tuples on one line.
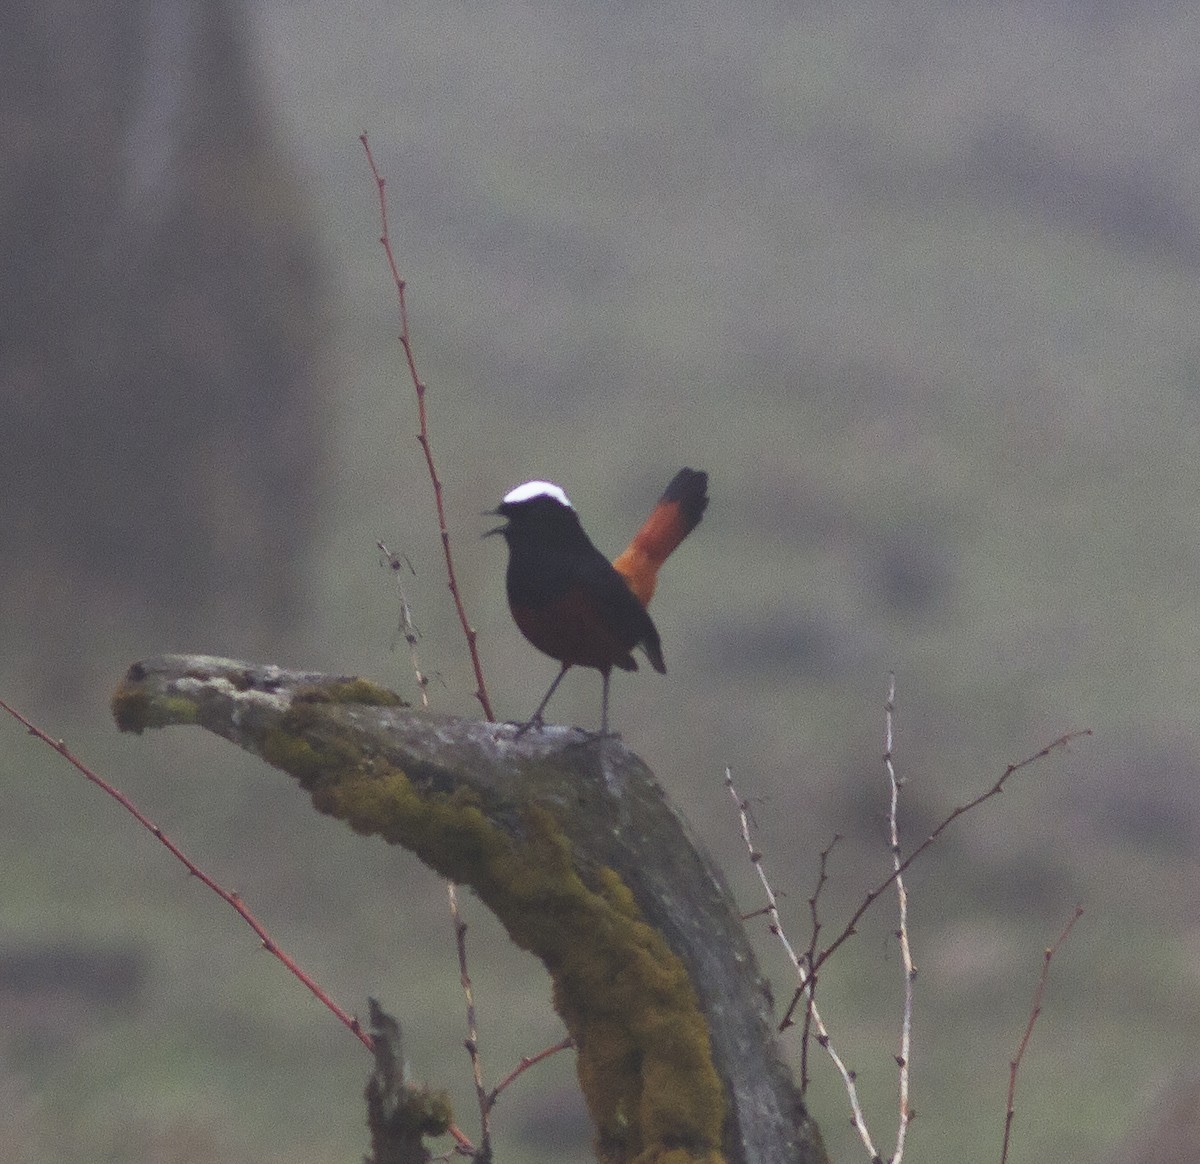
[(536, 718), (607, 674)]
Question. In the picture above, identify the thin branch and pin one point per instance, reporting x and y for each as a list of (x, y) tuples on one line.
[(423, 435), (1063, 741), (232, 899), (349, 1021), (811, 954), (407, 629), (483, 1153), (526, 1062), (463, 1145), (807, 980), (910, 971), (756, 859), (1014, 1066)]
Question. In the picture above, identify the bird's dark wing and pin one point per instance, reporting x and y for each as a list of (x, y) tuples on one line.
[(624, 614)]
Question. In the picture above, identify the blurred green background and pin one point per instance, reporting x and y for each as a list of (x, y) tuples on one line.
[(917, 285)]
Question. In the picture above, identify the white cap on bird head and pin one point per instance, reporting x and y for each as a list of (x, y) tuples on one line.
[(532, 489)]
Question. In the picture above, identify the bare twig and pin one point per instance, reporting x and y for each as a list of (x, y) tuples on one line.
[(807, 981), (423, 435), (483, 1153), (811, 954), (910, 971), (407, 629), (771, 909), (231, 898), (1063, 741), (526, 1062), (1014, 1066)]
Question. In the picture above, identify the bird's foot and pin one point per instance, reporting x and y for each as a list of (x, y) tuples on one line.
[(535, 722)]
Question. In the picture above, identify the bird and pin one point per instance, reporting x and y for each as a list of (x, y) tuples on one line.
[(566, 597)]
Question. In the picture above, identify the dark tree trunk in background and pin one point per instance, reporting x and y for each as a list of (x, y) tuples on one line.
[(161, 406)]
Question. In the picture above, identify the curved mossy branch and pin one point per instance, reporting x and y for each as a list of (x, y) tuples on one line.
[(571, 842)]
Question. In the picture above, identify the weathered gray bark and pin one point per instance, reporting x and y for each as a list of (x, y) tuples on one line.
[(552, 793)]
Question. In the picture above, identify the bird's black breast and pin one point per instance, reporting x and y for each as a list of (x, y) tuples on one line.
[(569, 575)]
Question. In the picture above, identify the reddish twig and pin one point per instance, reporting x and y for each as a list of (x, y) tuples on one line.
[(423, 435), (870, 899), (229, 897), (349, 1021), (1014, 1066), (526, 1062)]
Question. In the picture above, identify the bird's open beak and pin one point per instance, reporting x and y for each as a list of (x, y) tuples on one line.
[(500, 528)]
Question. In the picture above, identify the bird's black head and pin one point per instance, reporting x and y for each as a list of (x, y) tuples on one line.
[(537, 512)]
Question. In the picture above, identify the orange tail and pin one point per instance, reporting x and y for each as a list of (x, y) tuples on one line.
[(677, 513)]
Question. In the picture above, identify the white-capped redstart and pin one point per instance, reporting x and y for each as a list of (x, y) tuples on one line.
[(565, 596)]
